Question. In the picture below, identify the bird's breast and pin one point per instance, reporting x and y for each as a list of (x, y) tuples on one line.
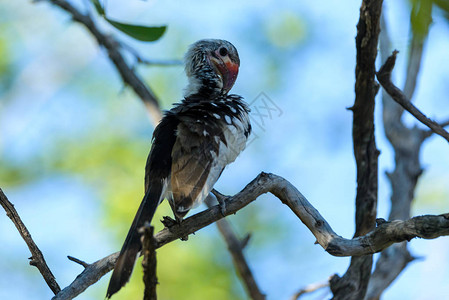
[(233, 140)]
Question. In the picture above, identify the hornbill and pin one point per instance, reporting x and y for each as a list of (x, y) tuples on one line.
[(192, 144)]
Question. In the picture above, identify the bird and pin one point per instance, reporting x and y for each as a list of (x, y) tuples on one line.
[(192, 144)]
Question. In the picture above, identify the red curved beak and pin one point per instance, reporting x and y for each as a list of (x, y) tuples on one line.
[(228, 71), (230, 76)]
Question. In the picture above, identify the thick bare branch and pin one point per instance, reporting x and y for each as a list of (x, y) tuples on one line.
[(129, 76), (365, 150), (353, 284), (384, 77), (387, 233), (407, 143), (37, 258)]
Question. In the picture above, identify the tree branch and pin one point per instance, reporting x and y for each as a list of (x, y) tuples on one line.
[(112, 46), (78, 261), (353, 284), (384, 77), (235, 247), (149, 262), (310, 289), (37, 258), (90, 275), (387, 233), (407, 144)]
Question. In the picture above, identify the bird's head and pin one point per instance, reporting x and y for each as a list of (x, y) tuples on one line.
[(211, 66)]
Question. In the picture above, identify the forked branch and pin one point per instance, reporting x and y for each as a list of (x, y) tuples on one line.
[(384, 77), (384, 235)]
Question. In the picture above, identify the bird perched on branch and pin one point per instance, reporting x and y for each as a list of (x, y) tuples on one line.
[(192, 144)]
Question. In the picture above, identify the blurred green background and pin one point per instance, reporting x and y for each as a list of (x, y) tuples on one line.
[(74, 142)]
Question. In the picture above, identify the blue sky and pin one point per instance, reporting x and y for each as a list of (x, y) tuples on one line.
[(305, 66)]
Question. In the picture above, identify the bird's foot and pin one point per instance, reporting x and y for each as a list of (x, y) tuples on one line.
[(169, 222), (222, 199)]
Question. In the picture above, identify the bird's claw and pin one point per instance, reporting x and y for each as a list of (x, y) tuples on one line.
[(222, 204), (221, 199), (169, 222)]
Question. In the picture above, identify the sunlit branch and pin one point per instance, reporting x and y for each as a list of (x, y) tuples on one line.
[(384, 235)]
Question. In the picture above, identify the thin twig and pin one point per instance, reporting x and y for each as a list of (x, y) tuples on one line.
[(383, 236), (89, 276), (129, 76), (235, 247), (445, 123), (37, 258), (310, 289), (384, 77), (150, 62), (78, 261), (429, 133), (160, 62)]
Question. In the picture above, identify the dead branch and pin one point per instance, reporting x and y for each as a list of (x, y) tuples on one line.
[(384, 235), (37, 258), (112, 46), (235, 247), (90, 275), (78, 261), (407, 144), (384, 77), (310, 289), (149, 262), (353, 284)]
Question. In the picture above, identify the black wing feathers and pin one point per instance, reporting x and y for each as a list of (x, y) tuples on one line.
[(157, 169)]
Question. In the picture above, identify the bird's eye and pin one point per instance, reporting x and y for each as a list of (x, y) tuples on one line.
[(223, 51)]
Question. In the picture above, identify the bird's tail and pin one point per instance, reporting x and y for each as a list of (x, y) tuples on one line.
[(132, 245)]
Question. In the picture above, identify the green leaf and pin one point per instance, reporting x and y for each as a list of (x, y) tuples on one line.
[(421, 17), (139, 32), (444, 6), (98, 7)]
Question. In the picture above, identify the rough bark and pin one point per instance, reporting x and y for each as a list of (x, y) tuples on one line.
[(353, 284), (149, 263), (381, 237)]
